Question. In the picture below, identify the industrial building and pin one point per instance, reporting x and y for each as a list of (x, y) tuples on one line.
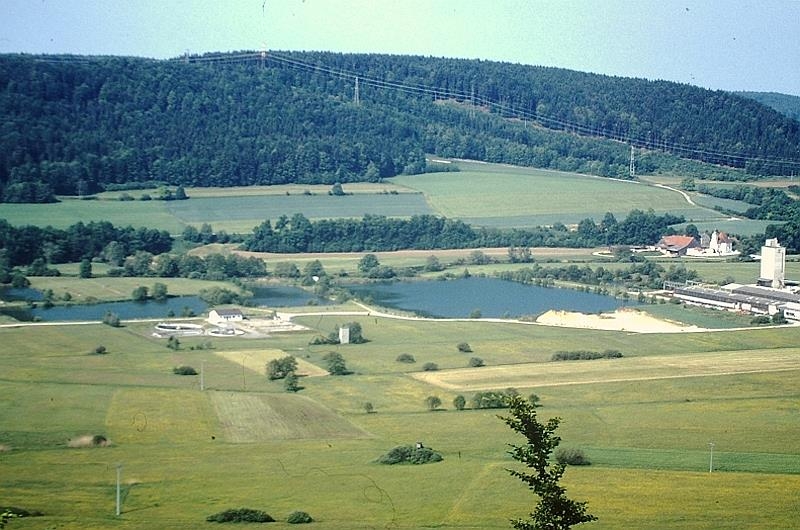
[(769, 295)]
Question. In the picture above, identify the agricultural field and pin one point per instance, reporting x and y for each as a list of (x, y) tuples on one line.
[(645, 422), (504, 196), (489, 195)]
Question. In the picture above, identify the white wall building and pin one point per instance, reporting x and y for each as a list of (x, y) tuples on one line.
[(773, 264)]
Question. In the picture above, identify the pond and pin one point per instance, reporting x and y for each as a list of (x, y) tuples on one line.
[(278, 296), (491, 296)]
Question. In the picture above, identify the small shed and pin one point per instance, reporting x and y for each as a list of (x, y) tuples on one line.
[(344, 335), (223, 316)]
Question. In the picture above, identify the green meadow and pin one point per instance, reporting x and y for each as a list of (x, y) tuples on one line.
[(490, 195), (645, 420), (501, 196), (244, 441)]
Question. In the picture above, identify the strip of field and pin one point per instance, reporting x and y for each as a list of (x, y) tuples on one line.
[(248, 417), (536, 375), (256, 361), (502, 196)]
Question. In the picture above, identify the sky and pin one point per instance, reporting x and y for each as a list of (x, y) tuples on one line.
[(717, 44)]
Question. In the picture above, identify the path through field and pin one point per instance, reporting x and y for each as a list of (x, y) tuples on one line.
[(536, 375)]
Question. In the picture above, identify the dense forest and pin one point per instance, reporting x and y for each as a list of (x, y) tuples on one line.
[(784, 103), (76, 125)]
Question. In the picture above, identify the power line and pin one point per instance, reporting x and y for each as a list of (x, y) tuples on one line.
[(473, 100)]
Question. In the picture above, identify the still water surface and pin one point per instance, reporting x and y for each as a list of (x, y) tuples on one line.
[(279, 296), (491, 296)]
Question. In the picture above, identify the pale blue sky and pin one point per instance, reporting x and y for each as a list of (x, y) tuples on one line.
[(718, 44)]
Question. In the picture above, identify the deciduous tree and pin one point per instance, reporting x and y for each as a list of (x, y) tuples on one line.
[(554, 510)]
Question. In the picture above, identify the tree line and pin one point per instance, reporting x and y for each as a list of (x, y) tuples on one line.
[(426, 232)]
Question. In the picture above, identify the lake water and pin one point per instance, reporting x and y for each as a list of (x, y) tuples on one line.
[(278, 296), (491, 296)]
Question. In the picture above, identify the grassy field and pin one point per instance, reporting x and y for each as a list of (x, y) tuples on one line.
[(481, 194), (245, 442), (644, 420), (501, 196)]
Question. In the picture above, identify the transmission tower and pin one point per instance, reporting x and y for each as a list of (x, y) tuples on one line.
[(633, 164), (356, 96)]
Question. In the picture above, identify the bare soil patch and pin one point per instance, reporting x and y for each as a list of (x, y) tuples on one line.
[(621, 320)]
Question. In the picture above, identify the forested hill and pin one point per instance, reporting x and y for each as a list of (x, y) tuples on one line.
[(784, 103), (74, 125)]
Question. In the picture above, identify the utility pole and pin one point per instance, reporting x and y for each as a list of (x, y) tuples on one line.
[(119, 506), (711, 457), (202, 375)]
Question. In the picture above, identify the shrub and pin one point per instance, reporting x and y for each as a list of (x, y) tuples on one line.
[(280, 368), (585, 355), (240, 515), (464, 347), (571, 457), (409, 454), (433, 402), (336, 364), (492, 400), (291, 383), (430, 367), (476, 362), (299, 518), (406, 358), (111, 319), (760, 319), (184, 370), (99, 350)]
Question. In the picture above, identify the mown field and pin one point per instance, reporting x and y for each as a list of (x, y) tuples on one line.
[(244, 441), (481, 194), (504, 196)]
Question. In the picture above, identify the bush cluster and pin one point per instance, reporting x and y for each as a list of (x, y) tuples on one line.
[(240, 515), (184, 370), (571, 457), (493, 399), (585, 355), (406, 358), (409, 454), (280, 368), (299, 517)]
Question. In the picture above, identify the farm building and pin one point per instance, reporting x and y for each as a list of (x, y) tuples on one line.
[(224, 316), (677, 245), (716, 244)]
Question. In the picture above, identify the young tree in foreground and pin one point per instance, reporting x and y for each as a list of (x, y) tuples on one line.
[(554, 511)]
